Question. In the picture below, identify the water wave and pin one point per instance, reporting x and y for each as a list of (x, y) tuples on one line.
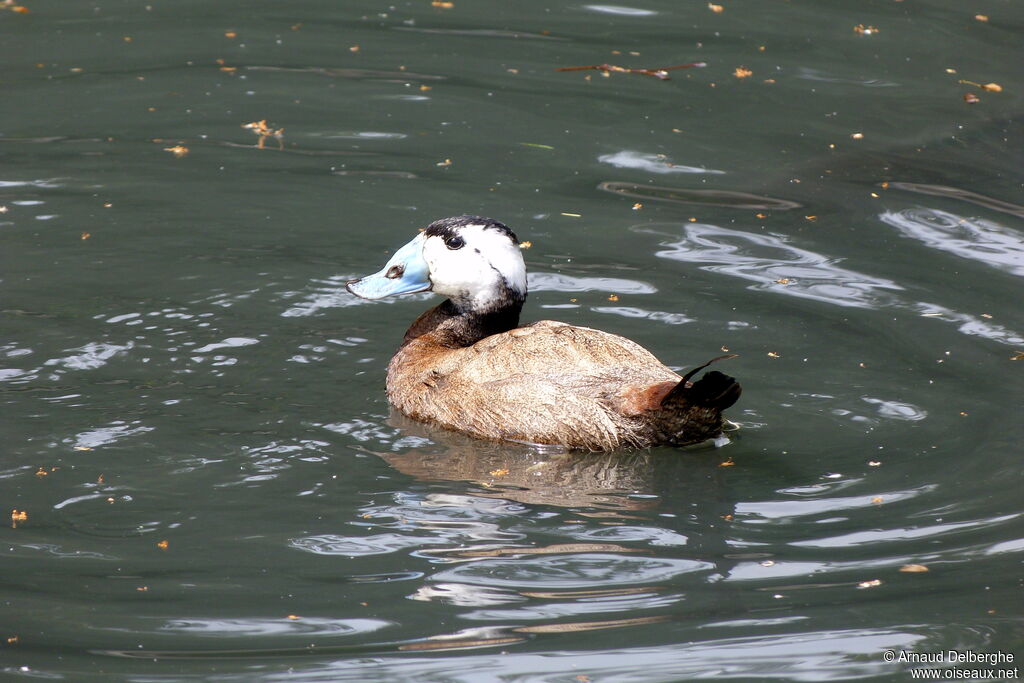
[(975, 239), (779, 267), (680, 195), (651, 163)]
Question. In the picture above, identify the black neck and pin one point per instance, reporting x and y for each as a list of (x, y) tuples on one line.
[(456, 327)]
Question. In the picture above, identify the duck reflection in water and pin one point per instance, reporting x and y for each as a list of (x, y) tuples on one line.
[(621, 481)]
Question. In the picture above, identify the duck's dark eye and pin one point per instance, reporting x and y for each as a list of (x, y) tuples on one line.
[(455, 242)]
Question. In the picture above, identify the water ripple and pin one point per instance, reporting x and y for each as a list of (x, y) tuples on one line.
[(651, 163), (55, 550), (810, 74), (559, 282), (654, 536), (634, 312), (776, 266), (896, 410), (975, 239), (781, 268), (254, 627), (104, 436), (90, 356), (838, 654), (480, 32), (678, 195), (229, 343), (877, 537), (466, 595), (50, 184), (962, 195), (360, 546), (573, 571), (809, 509), (559, 610), (621, 11)]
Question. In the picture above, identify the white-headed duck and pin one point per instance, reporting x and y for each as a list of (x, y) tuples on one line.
[(467, 365)]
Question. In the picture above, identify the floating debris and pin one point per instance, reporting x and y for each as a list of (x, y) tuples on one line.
[(14, 7), (990, 87), (178, 150), (913, 568), (264, 131)]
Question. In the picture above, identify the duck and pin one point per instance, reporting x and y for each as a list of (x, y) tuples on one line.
[(467, 365)]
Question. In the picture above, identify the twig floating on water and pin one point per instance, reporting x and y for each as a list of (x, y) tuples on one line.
[(261, 129), (606, 69)]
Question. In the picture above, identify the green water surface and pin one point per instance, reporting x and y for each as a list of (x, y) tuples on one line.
[(208, 481)]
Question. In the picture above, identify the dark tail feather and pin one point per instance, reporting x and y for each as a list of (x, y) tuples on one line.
[(713, 390)]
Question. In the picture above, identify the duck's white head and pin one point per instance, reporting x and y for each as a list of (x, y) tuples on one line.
[(474, 261)]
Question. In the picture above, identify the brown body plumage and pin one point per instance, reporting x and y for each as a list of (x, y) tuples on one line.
[(550, 383), (469, 367)]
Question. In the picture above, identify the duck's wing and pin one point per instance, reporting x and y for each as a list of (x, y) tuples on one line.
[(548, 347), (547, 408)]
